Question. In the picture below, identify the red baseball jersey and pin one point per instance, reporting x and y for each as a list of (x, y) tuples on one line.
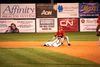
[(60, 33), (98, 21)]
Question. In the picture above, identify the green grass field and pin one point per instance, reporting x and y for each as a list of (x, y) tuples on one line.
[(74, 36), (40, 57)]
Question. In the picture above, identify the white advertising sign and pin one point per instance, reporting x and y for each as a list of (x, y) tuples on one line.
[(22, 25), (88, 24), (46, 24), (18, 11), (67, 10)]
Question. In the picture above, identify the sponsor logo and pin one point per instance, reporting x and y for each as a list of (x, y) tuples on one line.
[(83, 21), (46, 24), (44, 12), (89, 8), (16, 9), (66, 22), (60, 8)]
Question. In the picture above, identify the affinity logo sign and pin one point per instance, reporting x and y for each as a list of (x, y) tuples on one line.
[(60, 8), (18, 10)]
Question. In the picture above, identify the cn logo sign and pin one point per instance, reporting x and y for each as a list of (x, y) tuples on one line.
[(66, 22), (44, 12)]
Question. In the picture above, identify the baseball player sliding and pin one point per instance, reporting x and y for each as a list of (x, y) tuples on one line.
[(58, 39)]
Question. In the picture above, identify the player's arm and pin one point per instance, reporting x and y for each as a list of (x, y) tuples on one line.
[(56, 34), (64, 33), (97, 30)]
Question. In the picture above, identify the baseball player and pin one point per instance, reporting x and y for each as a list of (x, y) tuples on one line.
[(61, 34), (59, 38), (97, 29)]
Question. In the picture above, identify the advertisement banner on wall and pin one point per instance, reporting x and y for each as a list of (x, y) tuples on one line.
[(67, 10), (46, 11), (69, 24), (88, 24), (46, 24), (88, 9), (18, 11), (23, 25)]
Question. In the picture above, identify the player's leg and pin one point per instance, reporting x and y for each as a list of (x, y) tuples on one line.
[(98, 34), (67, 39), (99, 41), (57, 42), (62, 40), (49, 42)]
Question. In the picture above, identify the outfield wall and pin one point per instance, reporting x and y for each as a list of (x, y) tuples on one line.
[(31, 18)]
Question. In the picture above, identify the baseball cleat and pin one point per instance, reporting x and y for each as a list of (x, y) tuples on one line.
[(69, 44), (61, 43), (44, 45)]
